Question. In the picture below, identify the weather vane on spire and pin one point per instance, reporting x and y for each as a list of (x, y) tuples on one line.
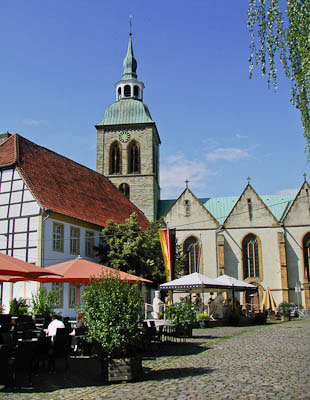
[(130, 23)]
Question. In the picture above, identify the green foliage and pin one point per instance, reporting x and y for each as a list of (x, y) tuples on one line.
[(203, 317), (128, 248), (284, 309), (43, 302), (283, 32), (19, 307), (182, 313), (113, 314)]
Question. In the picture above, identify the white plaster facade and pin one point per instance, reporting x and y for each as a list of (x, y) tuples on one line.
[(26, 232)]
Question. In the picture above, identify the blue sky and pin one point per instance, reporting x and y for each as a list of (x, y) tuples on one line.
[(61, 59)]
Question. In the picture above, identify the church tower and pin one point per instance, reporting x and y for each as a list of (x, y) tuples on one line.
[(128, 142)]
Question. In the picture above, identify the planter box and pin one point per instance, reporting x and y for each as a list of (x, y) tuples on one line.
[(125, 369)]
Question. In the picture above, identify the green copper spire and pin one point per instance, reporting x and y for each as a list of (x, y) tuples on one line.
[(129, 63)]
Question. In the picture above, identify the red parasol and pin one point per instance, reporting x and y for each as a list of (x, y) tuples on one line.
[(11, 266), (80, 271)]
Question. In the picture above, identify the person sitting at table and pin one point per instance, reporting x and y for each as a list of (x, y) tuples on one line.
[(53, 325)]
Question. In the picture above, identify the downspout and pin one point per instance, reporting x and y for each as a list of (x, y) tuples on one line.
[(42, 235)]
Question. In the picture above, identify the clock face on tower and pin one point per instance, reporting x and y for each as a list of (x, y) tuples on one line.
[(124, 136)]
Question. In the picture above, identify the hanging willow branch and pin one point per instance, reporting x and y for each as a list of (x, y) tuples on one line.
[(285, 33)]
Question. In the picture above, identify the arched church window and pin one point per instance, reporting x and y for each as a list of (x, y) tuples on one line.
[(136, 91), (115, 159), (306, 251), (251, 250), (192, 251), (134, 161), (127, 90), (119, 91), (124, 188)]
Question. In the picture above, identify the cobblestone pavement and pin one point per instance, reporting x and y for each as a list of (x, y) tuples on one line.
[(257, 362)]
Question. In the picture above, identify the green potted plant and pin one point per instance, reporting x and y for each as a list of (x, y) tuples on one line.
[(19, 307), (183, 316), (113, 312), (284, 310), (203, 319), (43, 302)]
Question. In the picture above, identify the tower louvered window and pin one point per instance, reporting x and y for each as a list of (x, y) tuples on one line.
[(134, 161), (115, 159), (124, 188), (251, 257), (306, 251)]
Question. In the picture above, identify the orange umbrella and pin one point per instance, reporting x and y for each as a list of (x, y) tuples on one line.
[(268, 302), (11, 266), (80, 271)]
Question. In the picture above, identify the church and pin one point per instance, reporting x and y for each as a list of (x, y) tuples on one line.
[(262, 239), (46, 198)]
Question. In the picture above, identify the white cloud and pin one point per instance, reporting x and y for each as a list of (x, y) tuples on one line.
[(228, 154), (34, 122), (288, 191), (176, 170), (241, 136)]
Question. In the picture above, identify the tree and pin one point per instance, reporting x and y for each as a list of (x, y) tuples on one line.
[(286, 33), (128, 248)]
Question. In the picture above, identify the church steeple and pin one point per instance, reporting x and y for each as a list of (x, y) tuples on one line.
[(129, 87), (130, 63)]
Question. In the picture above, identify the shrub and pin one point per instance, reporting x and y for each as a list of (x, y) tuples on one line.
[(113, 314), (19, 307), (182, 313)]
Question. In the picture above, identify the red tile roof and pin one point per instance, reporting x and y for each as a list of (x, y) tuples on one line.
[(66, 187), (8, 151)]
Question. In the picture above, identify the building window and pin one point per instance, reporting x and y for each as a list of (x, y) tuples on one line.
[(251, 250), (192, 252), (58, 237), (127, 91), (249, 208), (136, 91), (306, 251), (124, 188), (74, 240), (72, 295), (58, 286), (119, 91), (187, 208), (115, 159), (133, 158), (89, 243)]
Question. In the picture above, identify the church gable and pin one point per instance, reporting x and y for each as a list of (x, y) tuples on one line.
[(299, 212), (250, 211), (188, 212)]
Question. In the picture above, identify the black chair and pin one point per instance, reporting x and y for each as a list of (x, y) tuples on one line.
[(6, 338), (80, 343), (22, 363), (63, 331), (6, 362), (60, 349), (42, 353)]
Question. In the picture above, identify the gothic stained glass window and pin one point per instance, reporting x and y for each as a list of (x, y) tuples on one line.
[(115, 159), (191, 250), (134, 158), (306, 251), (251, 260)]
